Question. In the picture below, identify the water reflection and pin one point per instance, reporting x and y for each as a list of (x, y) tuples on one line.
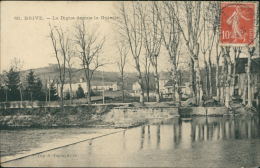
[(181, 132), (178, 142)]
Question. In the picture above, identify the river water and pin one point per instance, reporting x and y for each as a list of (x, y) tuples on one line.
[(178, 142)]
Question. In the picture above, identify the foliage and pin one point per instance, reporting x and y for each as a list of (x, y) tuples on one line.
[(12, 82), (67, 95), (80, 92), (53, 92), (33, 89), (2, 94)]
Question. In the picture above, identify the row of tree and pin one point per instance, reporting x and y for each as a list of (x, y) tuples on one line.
[(150, 25), (31, 89), (14, 89)]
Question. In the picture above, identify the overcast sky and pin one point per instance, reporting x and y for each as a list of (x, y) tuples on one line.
[(28, 40)]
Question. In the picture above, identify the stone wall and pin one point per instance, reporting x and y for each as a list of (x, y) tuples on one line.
[(130, 116), (203, 111)]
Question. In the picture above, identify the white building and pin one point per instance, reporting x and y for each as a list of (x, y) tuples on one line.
[(136, 87)]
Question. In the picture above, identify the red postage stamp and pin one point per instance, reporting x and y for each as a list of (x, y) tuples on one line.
[(237, 24)]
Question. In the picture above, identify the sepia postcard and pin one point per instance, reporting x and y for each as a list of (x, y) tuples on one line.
[(129, 84)]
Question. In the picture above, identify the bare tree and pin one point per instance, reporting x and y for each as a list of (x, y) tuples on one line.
[(218, 54), (87, 38), (71, 72), (60, 42), (130, 28), (152, 39), (229, 76), (171, 38), (212, 23), (191, 31), (147, 64), (204, 46), (123, 51), (223, 76)]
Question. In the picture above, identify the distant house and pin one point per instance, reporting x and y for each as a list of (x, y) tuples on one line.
[(136, 87), (116, 86), (166, 85)]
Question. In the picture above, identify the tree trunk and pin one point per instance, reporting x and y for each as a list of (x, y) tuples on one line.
[(249, 92), (61, 90), (142, 89), (234, 77), (174, 83), (88, 85), (192, 80), (156, 82), (244, 92), (70, 93), (123, 86), (222, 82), (148, 92), (198, 81), (210, 76), (228, 82), (179, 90), (88, 92), (217, 80), (173, 92), (206, 69)]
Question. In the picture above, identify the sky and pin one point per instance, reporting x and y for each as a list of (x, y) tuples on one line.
[(28, 40)]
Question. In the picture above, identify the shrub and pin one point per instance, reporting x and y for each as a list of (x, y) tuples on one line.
[(80, 92)]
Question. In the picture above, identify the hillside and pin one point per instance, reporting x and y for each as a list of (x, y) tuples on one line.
[(52, 72)]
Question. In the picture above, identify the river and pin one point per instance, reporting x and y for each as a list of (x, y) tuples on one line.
[(178, 142)]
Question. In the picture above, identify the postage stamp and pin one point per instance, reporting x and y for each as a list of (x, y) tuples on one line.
[(237, 24)]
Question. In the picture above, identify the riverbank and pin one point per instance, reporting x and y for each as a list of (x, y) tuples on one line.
[(107, 116), (80, 115)]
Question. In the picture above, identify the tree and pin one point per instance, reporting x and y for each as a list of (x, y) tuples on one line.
[(33, 90), (71, 71), (213, 19), (152, 38), (12, 82), (90, 45), (171, 39), (39, 93), (53, 92), (223, 77), (2, 93), (61, 42), (130, 28), (80, 92), (147, 64), (249, 85), (192, 28), (123, 51), (228, 80), (218, 54), (31, 86)]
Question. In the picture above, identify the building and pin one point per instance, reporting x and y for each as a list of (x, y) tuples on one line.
[(166, 85), (136, 87), (116, 86), (95, 86)]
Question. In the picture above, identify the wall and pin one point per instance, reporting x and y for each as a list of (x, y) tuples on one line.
[(129, 116)]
